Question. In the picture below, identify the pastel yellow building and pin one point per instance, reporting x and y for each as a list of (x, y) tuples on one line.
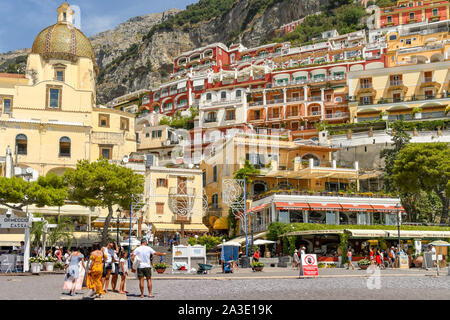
[(418, 44), (284, 166), (49, 118), (414, 91), (174, 198)]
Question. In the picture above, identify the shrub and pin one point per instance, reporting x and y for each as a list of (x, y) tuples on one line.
[(363, 262), (208, 241), (160, 266), (257, 264)]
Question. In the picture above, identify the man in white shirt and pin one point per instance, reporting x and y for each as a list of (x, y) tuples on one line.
[(144, 253), (109, 252)]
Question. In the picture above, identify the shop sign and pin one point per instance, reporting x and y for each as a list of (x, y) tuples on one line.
[(309, 265), (14, 222)]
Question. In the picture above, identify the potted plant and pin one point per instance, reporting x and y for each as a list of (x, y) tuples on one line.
[(160, 267), (49, 263), (417, 112), (35, 263), (59, 265), (384, 115), (363, 264), (257, 266), (321, 265)]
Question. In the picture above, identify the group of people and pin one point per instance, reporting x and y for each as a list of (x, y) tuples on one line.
[(297, 257), (376, 257), (108, 263)]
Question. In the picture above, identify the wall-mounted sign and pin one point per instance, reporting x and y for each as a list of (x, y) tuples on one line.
[(14, 222)]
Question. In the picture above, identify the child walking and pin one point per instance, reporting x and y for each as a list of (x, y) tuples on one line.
[(123, 270)]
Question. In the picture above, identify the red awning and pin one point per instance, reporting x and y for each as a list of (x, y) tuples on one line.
[(356, 207), (291, 205), (386, 208), (325, 206), (258, 208)]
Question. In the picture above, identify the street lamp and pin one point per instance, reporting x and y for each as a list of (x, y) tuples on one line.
[(399, 218), (118, 211)]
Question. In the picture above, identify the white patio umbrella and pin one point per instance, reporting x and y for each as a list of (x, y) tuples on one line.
[(261, 242), (230, 243), (134, 242)]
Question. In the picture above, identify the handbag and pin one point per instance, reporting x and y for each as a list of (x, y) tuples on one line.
[(136, 263)]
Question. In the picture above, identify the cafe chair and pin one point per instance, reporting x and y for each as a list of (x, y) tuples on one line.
[(5, 265), (19, 264)]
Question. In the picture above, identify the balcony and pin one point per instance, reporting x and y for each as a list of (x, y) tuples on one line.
[(273, 116), (337, 115), (296, 99), (256, 103), (292, 114), (315, 99), (210, 120), (274, 101), (314, 113), (256, 118), (413, 98)]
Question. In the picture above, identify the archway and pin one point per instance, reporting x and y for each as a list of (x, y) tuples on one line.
[(259, 187)]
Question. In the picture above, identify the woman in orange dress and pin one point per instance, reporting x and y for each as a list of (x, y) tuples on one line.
[(94, 277)]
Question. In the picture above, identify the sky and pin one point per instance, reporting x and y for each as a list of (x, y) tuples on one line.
[(22, 20)]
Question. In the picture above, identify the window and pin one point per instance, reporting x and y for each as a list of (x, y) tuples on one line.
[(147, 134), (106, 153), (7, 106), (124, 124), (215, 173), (156, 134), (223, 95), (54, 97), (435, 12), (204, 178), (21, 144), (411, 4), (408, 41), (103, 120), (238, 93), (64, 147), (411, 16), (215, 201), (160, 208), (231, 115), (211, 117), (208, 96), (393, 37), (389, 19), (161, 183)]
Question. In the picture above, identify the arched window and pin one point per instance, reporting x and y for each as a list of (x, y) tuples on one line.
[(284, 185), (223, 95), (21, 144), (208, 96), (64, 147), (215, 201), (306, 158)]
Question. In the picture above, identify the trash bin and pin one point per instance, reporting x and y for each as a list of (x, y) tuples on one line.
[(244, 262)]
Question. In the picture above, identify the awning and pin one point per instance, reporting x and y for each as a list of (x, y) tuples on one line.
[(221, 224), (364, 233), (255, 236), (198, 83), (291, 205), (325, 206), (419, 234), (181, 85), (386, 208), (177, 227), (356, 207), (258, 208), (311, 232)]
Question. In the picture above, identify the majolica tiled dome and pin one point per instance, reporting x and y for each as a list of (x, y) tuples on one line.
[(63, 40)]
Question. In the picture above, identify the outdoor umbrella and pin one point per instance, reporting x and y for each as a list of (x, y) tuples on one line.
[(230, 243), (440, 243), (260, 242)]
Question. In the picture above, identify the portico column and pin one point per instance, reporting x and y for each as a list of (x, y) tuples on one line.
[(26, 251), (284, 103), (305, 93)]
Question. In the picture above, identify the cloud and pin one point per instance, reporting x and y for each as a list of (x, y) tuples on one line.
[(94, 24)]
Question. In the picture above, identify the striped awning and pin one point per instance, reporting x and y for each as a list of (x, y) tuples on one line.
[(325, 206), (258, 208), (386, 208), (291, 205), (356, 207)]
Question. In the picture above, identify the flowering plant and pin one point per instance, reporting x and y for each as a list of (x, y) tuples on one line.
[(160, 266)]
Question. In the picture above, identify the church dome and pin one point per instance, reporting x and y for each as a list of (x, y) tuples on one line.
[(62, 40)]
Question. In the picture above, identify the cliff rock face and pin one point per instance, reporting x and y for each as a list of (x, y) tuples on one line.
[(152, 60), (129, 63)]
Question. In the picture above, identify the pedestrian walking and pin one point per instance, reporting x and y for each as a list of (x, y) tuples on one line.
[(371, 255), (378, 258), (349, 259), (94, 278), (115, 269), (256, 256), (123, 271), (296, 259), (73, 272), (107, 268), (144, 253), (58, 253), (392, 257), (303, 250)]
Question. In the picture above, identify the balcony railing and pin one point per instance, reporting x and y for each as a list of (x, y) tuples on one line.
[(406, 99), (428, 79), (274, 116), (181, 192), (366, 86), (396, 83), (315, 113), (294, 99), (336, 115), (256, 103), (292, 114), (255, 118), (312, 99), (274, 101), (210, 120)]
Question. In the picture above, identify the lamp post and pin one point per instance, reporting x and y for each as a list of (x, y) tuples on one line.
[(399, 217), (118, 211)]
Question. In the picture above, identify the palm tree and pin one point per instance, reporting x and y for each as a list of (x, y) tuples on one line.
[(62, 233)]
